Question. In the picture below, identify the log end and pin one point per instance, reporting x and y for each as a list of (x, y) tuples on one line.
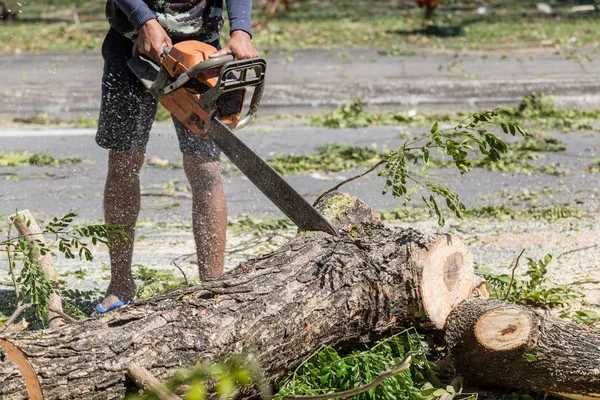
[(504, 328), (447, 277), (344, 211)]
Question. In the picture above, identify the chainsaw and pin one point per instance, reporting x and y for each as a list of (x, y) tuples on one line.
[(207, 96)]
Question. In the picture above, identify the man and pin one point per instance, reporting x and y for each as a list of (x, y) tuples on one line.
[(127, 113)]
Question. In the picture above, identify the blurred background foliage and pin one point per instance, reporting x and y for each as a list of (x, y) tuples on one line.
[(392, 26)]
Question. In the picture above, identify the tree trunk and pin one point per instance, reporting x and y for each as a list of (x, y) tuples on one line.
[(318, 289), (509, 346)]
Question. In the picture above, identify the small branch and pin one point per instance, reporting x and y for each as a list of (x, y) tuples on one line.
[(357, 390), (176, 265), (16, 314), (566, 253), (11, 263), (353, 178), (62, 314), (145, 380), (512, 275)]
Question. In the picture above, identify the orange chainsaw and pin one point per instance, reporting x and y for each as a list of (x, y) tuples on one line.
[(207, 95)]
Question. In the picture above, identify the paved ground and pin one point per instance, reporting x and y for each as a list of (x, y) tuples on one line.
[(67, 85)]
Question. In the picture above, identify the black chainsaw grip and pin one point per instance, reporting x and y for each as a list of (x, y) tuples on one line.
[(254, 104)]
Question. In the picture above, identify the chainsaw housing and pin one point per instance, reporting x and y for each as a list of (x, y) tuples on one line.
[(218, 91)]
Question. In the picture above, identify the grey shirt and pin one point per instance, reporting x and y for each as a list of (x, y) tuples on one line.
[(181, 18)]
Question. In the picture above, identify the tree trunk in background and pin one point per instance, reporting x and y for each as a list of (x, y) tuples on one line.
[(316, 290), (509, 346)]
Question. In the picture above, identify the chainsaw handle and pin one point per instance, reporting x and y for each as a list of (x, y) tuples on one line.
[(253, 108)]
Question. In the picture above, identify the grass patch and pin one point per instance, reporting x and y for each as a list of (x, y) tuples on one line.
[(328, 158), (17, 159), (392, 26)]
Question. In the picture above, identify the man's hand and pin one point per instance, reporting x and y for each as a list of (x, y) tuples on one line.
[(240, 46), (152, 40)]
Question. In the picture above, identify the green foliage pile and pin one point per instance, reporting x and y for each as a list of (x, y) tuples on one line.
[(354, 115), (154, 281), (328, 158), (594, 167), (328, 371), (535, 110), (533, 288), (549, 213), (222, 380), (541, 110), (259, 227), (17, 159)]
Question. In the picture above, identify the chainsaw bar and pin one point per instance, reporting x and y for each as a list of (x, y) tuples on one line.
[(268, 180)]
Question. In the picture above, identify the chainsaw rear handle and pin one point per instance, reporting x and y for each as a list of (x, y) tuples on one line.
[(235, 75)]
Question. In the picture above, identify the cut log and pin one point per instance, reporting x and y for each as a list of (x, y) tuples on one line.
[(316, 290), (509, 346), (30, 230)]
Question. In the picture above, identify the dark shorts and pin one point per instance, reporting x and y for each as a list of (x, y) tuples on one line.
[(127, 111)]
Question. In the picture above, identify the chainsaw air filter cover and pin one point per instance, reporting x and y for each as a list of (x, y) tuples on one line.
[(195, 103)]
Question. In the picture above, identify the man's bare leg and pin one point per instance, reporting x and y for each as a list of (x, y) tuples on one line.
[(209, 213), (121, 208)]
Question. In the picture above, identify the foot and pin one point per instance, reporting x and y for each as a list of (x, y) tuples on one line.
[(110, 303)]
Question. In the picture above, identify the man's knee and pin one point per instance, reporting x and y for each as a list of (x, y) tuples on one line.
[(202, 171), (125, 165)]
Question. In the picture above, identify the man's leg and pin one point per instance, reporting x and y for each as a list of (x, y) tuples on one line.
[(126, 115), (209, 213), (121, 208)]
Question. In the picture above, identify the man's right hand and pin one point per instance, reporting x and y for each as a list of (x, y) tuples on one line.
[(152, 40)]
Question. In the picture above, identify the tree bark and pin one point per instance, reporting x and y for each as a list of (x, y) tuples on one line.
[(509, 346), (317, 289)]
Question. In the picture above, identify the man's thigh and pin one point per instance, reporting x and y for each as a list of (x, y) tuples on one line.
[(192, 144), (126, 111)]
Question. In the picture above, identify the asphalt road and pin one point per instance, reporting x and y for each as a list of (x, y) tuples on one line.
[(66, 85)]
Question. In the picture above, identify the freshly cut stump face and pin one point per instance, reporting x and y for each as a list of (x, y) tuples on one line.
[(503, 329), (448, 277)]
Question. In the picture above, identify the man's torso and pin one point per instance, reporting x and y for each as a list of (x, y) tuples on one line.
[(200, 19)]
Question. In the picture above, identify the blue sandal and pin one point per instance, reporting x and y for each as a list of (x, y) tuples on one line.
[(100, 309)]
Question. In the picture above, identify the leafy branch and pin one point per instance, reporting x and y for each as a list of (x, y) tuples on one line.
[(24, 252), (408, 165)]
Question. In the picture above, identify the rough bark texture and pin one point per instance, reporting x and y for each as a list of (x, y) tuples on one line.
[(527, 350), (315, 290)]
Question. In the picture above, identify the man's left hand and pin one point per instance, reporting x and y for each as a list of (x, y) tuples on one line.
[(240, 46)]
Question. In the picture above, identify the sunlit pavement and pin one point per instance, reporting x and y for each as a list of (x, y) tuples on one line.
[(69, 85)]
